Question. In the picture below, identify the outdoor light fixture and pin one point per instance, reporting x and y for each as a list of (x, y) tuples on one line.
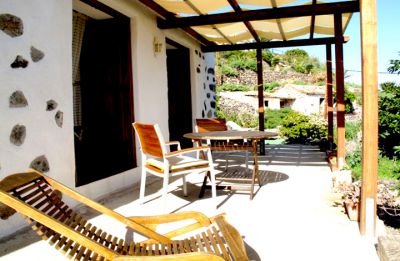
[(157, 44)]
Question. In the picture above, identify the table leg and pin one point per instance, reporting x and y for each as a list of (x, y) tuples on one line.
[(204, 185), (255, 169)]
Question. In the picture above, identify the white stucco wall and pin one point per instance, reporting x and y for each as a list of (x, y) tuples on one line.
[(307, 104), (273, 103), (47, 26)]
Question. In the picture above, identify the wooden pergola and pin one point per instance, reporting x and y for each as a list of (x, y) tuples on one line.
[(222, 25)]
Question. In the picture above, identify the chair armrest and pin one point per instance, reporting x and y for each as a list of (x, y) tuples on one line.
[(174, 143), (153, 221), (167, 218), (198, 256), (178, 152)]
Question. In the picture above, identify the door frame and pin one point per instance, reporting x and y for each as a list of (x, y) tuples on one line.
[(189, 79)]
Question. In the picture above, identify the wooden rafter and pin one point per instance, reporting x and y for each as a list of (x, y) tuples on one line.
[(237, 9), (105, 8), (170, 16), (261, 14), (273, 44), (278, 21), (312, 27), (194, 8)]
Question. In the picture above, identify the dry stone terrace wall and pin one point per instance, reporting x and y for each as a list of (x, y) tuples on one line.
[(248, 77), (232, 107)]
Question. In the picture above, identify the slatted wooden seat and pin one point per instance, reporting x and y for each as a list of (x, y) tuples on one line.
[(38, 199)]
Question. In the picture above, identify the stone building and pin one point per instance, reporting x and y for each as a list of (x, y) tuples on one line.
[(74, 77)]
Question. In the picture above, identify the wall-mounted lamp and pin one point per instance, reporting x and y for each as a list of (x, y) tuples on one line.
[(157, 44)]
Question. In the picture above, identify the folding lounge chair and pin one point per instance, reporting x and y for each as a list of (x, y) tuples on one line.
[(39, 199)]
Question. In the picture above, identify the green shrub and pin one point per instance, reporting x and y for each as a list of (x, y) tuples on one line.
[(267, 56), (388, 169), (228, 70), (299, 128), (354, 162), (389, 118), (296, 53), (349, 98), (299, 68), (231, 87), (242, 60), (248, 120), (352, 130), (273, 118), (309, 67), (271, 86), (275, 60)]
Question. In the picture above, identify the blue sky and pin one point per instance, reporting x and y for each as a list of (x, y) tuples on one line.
[(388, 42)]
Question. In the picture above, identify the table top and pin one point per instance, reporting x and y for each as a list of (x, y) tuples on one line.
[(229, 135)]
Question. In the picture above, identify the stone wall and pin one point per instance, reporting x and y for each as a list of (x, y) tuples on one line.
[(234, 107), (35, 78), (278, 74), (206, 75)]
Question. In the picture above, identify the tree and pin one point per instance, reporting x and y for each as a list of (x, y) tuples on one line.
[(389, 118), (395, 66)]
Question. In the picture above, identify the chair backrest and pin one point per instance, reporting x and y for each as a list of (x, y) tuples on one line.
[(150, 139), (206, 125)]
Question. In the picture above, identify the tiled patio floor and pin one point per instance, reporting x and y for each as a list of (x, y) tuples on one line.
[(290, 218)]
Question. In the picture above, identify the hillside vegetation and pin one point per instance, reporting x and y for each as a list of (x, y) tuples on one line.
[(294, 65), (236, 71)]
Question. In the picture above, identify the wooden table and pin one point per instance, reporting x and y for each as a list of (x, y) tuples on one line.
[(223, 142)]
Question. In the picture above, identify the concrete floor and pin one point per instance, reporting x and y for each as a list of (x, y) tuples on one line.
[(292, 216)]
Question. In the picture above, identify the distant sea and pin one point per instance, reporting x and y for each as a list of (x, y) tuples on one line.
[(355, 77)]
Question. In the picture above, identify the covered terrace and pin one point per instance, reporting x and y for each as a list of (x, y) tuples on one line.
[(221, 25), (292, 207)]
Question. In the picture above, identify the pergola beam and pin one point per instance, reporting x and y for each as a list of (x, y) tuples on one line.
[(328, 92), (312, 27), (340, 105), (274, 44), (158, 9), (260, 89), (237, 9), (369, 117), (261, 14)]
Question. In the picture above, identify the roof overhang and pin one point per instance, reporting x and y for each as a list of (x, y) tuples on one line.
[(221, 25)]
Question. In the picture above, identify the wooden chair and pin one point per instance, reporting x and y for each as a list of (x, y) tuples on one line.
[(39, 199), (217, 124), (158, 161)]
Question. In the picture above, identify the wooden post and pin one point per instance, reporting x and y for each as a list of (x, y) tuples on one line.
[(369, 117), (340, 106), (328, 92), (260, 98)]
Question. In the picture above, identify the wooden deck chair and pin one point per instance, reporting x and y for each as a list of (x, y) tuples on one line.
[(158, 161), (218, 124), (39, 199)]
